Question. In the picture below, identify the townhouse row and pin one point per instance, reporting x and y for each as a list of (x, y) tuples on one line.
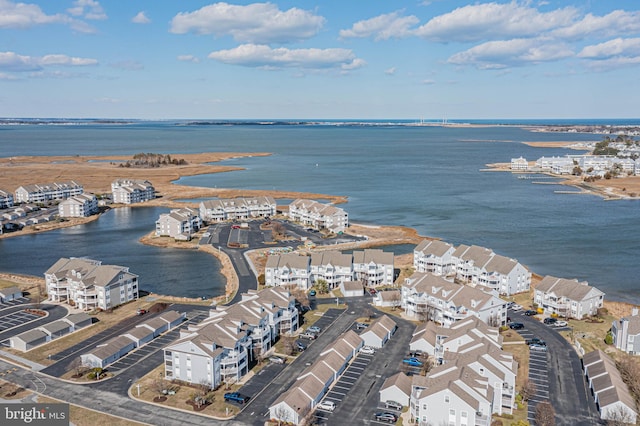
[(220, 348), (590, 164), (88, 284), (370, 267)]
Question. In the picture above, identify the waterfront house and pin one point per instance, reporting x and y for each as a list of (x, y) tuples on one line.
[(43, 192), (379, 332), (433, 256), (520, 164), (6, 199), (613, 399), (180, 224), (237, 208), (373, 267), (319, 216), (626, 333), (426, 296), (481, 266), (9, 294), (396, 388), (331, 266), (289, 269), (451, 394), (88, 284), (82, 205), (568, 298), (132, 191)]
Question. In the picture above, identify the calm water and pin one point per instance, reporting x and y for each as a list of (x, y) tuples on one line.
[(424, 177)]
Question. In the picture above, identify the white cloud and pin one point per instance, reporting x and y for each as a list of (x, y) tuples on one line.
[(616, 53), (252, 55), (516, 52), (141, 18), (13, 62), (618, 22), (254, 23), (382, 27), (57, 74), (188, 58), (23, 15), (5, 76), (89, 9), (490, 21), (390, 71)]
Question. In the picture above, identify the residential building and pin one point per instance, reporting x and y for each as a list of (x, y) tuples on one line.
[(373, 267), (6, 199), (40, 193), (319, 216), (626, 333), (9, 294), (451, 395), (379, 332), (434, 256), (289, 269), (108, 353), (612, 395), (180, 224), (388, 298), (430, 297), (396, 388), (82, 205), (132, 191), (351, 288), (88, 284), (481, 266), (237, 208), (568, 298), (331, 266), (519, 163)]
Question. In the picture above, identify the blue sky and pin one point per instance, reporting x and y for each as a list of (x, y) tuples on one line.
[(373, 59)]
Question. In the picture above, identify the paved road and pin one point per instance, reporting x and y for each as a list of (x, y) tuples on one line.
[(55, 313), (567, 387)]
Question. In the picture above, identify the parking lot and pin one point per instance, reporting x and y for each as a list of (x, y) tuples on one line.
[(14, 302), (15, 319)]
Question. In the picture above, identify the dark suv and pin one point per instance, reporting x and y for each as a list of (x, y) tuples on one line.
[(236, 397), (550, 321)]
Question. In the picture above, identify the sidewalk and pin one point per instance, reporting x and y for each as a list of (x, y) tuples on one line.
[(34, 365)]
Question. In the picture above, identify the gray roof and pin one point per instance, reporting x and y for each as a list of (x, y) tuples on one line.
[(292, 260), (77, 318), (10, 291), (377, 256), (55, 326), (433, 247), (331, 257), (31, 336), (562, 287)]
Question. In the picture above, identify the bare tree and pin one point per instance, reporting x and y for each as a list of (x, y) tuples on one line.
[(368, 313), (288, 345), (394, 297), (76, 366), (545, 414), (427, 364), (630, 373), (277, 230), (258, 354), (158, 386), (283, 415), (301, 296), (619, 416), (528, 390)]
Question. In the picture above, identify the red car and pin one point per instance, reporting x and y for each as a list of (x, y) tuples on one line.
[(141, 311)]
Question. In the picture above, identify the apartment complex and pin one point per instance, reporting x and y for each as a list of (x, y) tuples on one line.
[(88, 284), (373, 267), (131, 191), (568, 298), (626, 333), (237, 208), (331, 266), (180, 224), (6, 199), (289, 269), (431, 297), (82, 205), (220, 348), (319, 216), (434, 256), (43, 192)]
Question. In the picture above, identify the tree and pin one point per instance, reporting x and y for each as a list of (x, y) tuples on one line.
[(77, 367), (277, 230), (282, 415), (630, 373), (322, 286), (528, 390), (368, 313), (545, 414), (288, 345)]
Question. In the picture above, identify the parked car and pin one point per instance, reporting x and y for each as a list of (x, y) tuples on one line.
[(550, 321), (361, 325), (309, 335), (516, 326), (394, 405), (530, 312), (236, 397), (327, 405), (300, 345), (516, 308), (536, 341), (386, 417), (312, 293), (314, 329), (540, 348), (561, 323), (413, 362), (372, 291), (367, 350), (141, 311), (276, 360)]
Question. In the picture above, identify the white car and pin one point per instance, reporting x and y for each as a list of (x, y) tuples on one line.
[(561, 324), (516, 308), (327, 406), (367, 350)]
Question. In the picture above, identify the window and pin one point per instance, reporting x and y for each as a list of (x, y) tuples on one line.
[(446, 399)]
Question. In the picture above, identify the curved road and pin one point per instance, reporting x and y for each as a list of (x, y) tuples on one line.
[(55, 312)]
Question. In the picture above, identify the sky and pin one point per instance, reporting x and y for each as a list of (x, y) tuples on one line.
[(330, 59)]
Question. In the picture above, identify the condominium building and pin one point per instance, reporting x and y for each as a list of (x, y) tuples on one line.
[(88, 284), (180, 224), (289, 269), (434, 256), (131, 191), (319, 216), (82, 205), (373, 267), (42, 192), (6, 199), (331, 266), (237, 208), (568, 298)]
